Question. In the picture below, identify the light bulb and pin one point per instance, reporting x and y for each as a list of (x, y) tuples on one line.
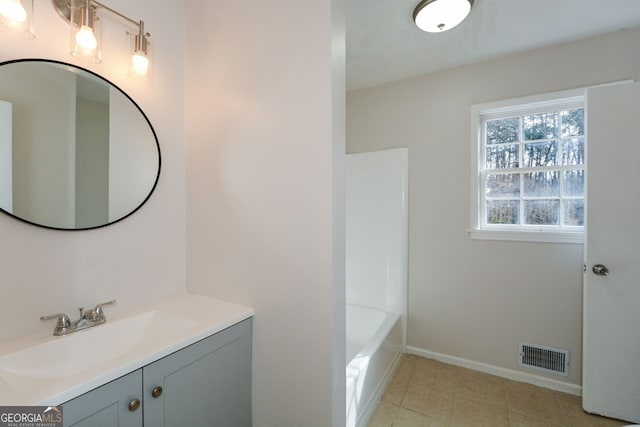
[(140, 64), (13, 11), (86, 39)]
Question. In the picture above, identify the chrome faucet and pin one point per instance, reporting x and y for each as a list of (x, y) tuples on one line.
[(87, 319)]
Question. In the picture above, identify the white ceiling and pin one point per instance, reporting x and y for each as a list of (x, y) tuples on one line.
[(383, 43)]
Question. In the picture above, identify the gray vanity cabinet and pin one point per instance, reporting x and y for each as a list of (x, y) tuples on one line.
[(205, 384)]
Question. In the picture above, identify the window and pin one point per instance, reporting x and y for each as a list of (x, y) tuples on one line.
[(530, 176)]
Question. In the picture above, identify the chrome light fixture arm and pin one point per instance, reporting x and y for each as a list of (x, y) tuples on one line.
[(141, 37), (64, 9)]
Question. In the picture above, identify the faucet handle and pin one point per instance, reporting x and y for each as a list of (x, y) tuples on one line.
[(99, 312), (63, 320)]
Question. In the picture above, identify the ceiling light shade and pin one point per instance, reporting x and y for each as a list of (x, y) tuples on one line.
[(436, 16), (139, 65)]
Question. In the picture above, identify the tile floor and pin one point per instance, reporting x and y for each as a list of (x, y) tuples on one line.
[(425, 392)]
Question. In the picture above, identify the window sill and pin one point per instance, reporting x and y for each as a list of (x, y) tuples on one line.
[(570, 237)]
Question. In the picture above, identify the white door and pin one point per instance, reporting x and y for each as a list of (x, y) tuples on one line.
[(611, 331)]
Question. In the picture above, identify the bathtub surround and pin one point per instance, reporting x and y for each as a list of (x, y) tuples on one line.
[(476, 300), (264, 97), (376, 261), (377, 236)]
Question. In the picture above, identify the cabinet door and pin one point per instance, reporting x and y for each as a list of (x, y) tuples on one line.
[(205, 384), (107, 406)]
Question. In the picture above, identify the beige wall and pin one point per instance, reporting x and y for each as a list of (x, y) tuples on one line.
[(48, 271), (265, 145), (478, 299)]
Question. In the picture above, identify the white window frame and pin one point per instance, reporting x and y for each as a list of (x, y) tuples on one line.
[(518, 106)]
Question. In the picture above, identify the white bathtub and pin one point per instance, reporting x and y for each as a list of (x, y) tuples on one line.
[(374, 346)]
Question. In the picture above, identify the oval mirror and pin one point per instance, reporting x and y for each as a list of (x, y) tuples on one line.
[(75, 151)]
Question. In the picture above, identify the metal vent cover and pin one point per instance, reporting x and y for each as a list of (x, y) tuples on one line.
[(543, 358)]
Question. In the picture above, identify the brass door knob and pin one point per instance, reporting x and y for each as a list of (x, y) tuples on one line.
[(134, 404), (156, 392)]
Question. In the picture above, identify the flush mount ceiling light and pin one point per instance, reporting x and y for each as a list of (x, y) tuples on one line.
[(436, 16)]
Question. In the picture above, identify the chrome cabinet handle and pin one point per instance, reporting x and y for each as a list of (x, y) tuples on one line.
[(600, 270), (134, 405)]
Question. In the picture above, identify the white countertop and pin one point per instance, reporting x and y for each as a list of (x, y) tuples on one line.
[(199, 317)]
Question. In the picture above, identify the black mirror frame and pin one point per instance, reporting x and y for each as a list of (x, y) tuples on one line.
[(153, 131)]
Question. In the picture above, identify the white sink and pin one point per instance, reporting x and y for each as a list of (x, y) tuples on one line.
[(49, 370), (71, 354)]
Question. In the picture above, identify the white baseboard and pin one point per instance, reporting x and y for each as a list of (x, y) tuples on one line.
[(500, 372)]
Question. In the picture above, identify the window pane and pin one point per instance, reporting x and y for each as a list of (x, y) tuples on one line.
[(574, 183), (542, 212), (503, 185), (540, 154), (503, 130), (503, 212), (572, 122), (572, 151), (540, 126), (573, 212), (541, 184), (502, 156), (534, 168)]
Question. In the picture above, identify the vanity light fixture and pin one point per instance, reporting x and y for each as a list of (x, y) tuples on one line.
[(140, 57), (86, 31), (84, 17), (436, 16), (16, 17)]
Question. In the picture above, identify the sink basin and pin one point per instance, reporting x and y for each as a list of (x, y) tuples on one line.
[(48, 370), (65, 356)]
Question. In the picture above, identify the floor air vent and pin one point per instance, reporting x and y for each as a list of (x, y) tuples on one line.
[(547, 359)]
